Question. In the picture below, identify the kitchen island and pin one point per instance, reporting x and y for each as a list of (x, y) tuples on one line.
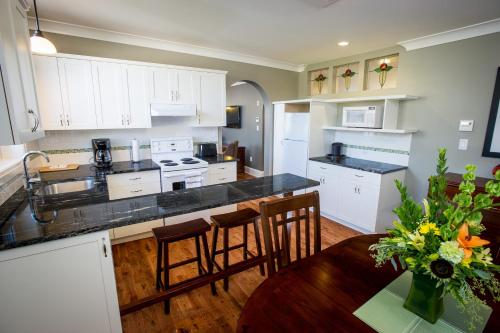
[(58, 276)]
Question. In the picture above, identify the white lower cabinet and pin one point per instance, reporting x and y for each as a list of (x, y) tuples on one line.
[(60, 286), (221, 173), (362, 200), (218, 173), (129, 185)]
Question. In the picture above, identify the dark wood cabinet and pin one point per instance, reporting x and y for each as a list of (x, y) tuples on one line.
[(491, 217), (241, 160)]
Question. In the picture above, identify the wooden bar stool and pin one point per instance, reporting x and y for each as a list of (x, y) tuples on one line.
[(227, 221), (170, 234)]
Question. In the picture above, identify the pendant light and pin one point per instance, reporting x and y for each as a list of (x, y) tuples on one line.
[(40, 44)]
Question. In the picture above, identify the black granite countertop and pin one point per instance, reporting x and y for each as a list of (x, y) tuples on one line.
[(220, 158), (86, 171), (81, 213), (360, 164)]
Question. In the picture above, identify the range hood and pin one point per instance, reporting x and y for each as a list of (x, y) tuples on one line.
[(159, 109)]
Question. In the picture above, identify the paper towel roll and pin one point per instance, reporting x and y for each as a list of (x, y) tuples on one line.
[(134, 152)]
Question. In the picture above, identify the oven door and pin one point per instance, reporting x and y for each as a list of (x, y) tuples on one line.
[(182, 179)]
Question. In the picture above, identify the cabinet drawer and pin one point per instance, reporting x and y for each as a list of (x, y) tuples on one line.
[(223, 168), (138, 228), (133, 190), (131, 178), (221, 178), (323, 168), (362, 177)]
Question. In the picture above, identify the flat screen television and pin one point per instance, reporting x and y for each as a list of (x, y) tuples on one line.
[(233, 116)]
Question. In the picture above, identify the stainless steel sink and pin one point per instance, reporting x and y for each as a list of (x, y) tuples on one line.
[(66, 187)]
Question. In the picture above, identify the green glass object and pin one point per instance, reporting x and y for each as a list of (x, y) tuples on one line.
[(425, 298)]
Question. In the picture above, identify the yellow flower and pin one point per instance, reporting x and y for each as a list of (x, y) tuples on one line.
[(466, 262), (429, 227)]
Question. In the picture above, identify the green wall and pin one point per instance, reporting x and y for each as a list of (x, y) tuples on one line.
[(279, 84), (246, 96), (455, 81)]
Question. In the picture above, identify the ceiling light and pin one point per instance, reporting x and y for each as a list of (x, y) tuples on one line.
[(40, 44), (343, 43)]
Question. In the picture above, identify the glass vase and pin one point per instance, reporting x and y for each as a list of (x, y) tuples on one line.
[(425, 298)]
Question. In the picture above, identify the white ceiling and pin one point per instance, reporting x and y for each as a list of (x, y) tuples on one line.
[(295, 31)]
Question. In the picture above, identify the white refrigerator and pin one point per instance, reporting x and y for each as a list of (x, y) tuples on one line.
[(295, 142)]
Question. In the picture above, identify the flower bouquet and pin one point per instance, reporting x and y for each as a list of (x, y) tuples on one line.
[(439, 241)]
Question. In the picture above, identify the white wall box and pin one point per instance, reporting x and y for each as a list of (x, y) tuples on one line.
[(19, 107), (359, 199), (74, 289), (124, 94)]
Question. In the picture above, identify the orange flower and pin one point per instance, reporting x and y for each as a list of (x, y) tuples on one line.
[(468, 242)]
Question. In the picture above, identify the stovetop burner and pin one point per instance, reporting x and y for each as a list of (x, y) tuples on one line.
[(191, 161), (186, 159), (170, 164), (166, 161)]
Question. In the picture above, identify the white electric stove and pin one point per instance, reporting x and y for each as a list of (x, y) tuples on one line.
[(179, 168)]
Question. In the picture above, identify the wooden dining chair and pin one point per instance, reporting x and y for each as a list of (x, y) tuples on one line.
[(281, 213), (232, 149)]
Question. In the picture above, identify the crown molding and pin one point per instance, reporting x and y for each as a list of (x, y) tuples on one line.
[(161, 44), (475, 30)]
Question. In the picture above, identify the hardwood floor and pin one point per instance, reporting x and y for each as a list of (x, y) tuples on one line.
[(197, 311)]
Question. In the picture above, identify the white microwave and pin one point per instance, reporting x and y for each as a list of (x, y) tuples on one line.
[(362, 116)]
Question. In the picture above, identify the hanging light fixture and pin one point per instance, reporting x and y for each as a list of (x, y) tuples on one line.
[(40, 44)]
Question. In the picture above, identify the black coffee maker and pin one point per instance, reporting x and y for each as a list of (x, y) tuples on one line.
[(102, 152), (337, 148)]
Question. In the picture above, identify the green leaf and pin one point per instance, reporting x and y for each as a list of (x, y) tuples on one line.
[(482, 274)]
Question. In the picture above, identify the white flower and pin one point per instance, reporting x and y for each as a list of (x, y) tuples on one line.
[(451, 252)]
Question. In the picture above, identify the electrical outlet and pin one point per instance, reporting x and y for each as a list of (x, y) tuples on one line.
[(251, 158), (258, 103), (257, 119), (462, 144)]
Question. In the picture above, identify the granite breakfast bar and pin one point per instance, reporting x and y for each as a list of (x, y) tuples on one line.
[(75, 243)]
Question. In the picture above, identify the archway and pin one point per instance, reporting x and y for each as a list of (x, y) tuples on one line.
[(266, 123)]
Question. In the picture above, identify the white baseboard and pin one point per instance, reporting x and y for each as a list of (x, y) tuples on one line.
[(254, 172)]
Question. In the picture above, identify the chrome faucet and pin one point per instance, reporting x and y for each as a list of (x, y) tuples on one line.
[(30, 181)]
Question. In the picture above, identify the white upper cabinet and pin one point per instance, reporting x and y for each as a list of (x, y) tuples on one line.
[(79, 92), (163, 85), (138, 85), (111, 98), (48, 89), (17, 75), (211, 110), (78, 96), (174, 86), (187, 85)]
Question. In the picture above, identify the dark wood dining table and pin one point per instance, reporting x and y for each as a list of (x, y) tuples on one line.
[(320, 293)]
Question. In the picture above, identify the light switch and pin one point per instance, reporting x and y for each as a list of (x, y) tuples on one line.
[(258, 128), (462, 144), (466, 125)]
